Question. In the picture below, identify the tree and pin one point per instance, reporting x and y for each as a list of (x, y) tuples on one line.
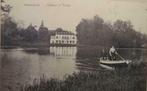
[(30, 34), (98, 32), (43, 33), (8, 27)]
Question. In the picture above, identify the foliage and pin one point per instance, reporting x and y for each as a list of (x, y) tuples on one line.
[(43, 33), (9, 32), (131, 79), (120, 34), (89, 32), (13, 36)]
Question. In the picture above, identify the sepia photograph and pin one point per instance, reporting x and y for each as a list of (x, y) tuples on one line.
[(73, 45)]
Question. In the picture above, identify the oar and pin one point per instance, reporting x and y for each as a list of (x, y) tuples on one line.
[(120, 56), (127, 61)]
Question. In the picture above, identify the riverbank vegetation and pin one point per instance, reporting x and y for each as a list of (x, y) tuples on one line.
[(129, 79), (121, 33)]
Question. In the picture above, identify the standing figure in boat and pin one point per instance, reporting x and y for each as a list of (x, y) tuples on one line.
[(112, 53)]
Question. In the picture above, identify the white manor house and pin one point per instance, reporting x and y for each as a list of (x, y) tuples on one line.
[(63, 38)]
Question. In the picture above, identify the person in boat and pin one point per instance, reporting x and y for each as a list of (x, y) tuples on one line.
[(104, 54), (112, 53)]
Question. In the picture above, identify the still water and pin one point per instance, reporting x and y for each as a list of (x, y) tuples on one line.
[(23, 66)]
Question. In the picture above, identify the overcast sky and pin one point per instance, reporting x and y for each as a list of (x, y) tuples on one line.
[(68, 13)]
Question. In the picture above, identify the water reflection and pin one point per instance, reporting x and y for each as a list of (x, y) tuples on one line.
[(63, 51), (22, 66), (39, 51)]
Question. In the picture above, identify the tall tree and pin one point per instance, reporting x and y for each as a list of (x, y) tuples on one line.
[(98, 32), (8, 26)]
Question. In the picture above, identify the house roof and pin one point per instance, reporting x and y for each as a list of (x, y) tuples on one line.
[(64, 33), (61, 32)]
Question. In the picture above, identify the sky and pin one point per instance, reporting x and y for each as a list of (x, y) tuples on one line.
[(68, 13)]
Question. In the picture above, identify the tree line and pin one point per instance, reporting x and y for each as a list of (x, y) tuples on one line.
[(120, 34), (12, 35), (94, 31)]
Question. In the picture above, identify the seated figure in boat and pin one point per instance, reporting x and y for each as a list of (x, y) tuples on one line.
[(112, 53), (104, 54)]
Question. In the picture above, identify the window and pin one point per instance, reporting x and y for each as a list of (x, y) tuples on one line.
[(57, 41), (56, 37), (62, 41), (73, 37)]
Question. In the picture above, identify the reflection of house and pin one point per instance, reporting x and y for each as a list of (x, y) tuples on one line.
[(63, 51), (61, 37)]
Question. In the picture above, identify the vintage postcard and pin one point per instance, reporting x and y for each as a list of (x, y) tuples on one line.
[(73, 45)]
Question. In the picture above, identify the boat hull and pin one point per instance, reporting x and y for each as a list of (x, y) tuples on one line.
[(117, 63)]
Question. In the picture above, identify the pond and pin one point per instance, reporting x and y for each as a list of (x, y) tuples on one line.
[(23, 66)]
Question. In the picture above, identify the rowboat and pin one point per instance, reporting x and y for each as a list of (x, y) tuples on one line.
[(114, 63)]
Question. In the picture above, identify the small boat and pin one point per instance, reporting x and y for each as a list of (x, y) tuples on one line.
[(114, 63)]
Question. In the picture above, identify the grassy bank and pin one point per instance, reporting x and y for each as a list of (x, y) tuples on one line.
[(132, 79)]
